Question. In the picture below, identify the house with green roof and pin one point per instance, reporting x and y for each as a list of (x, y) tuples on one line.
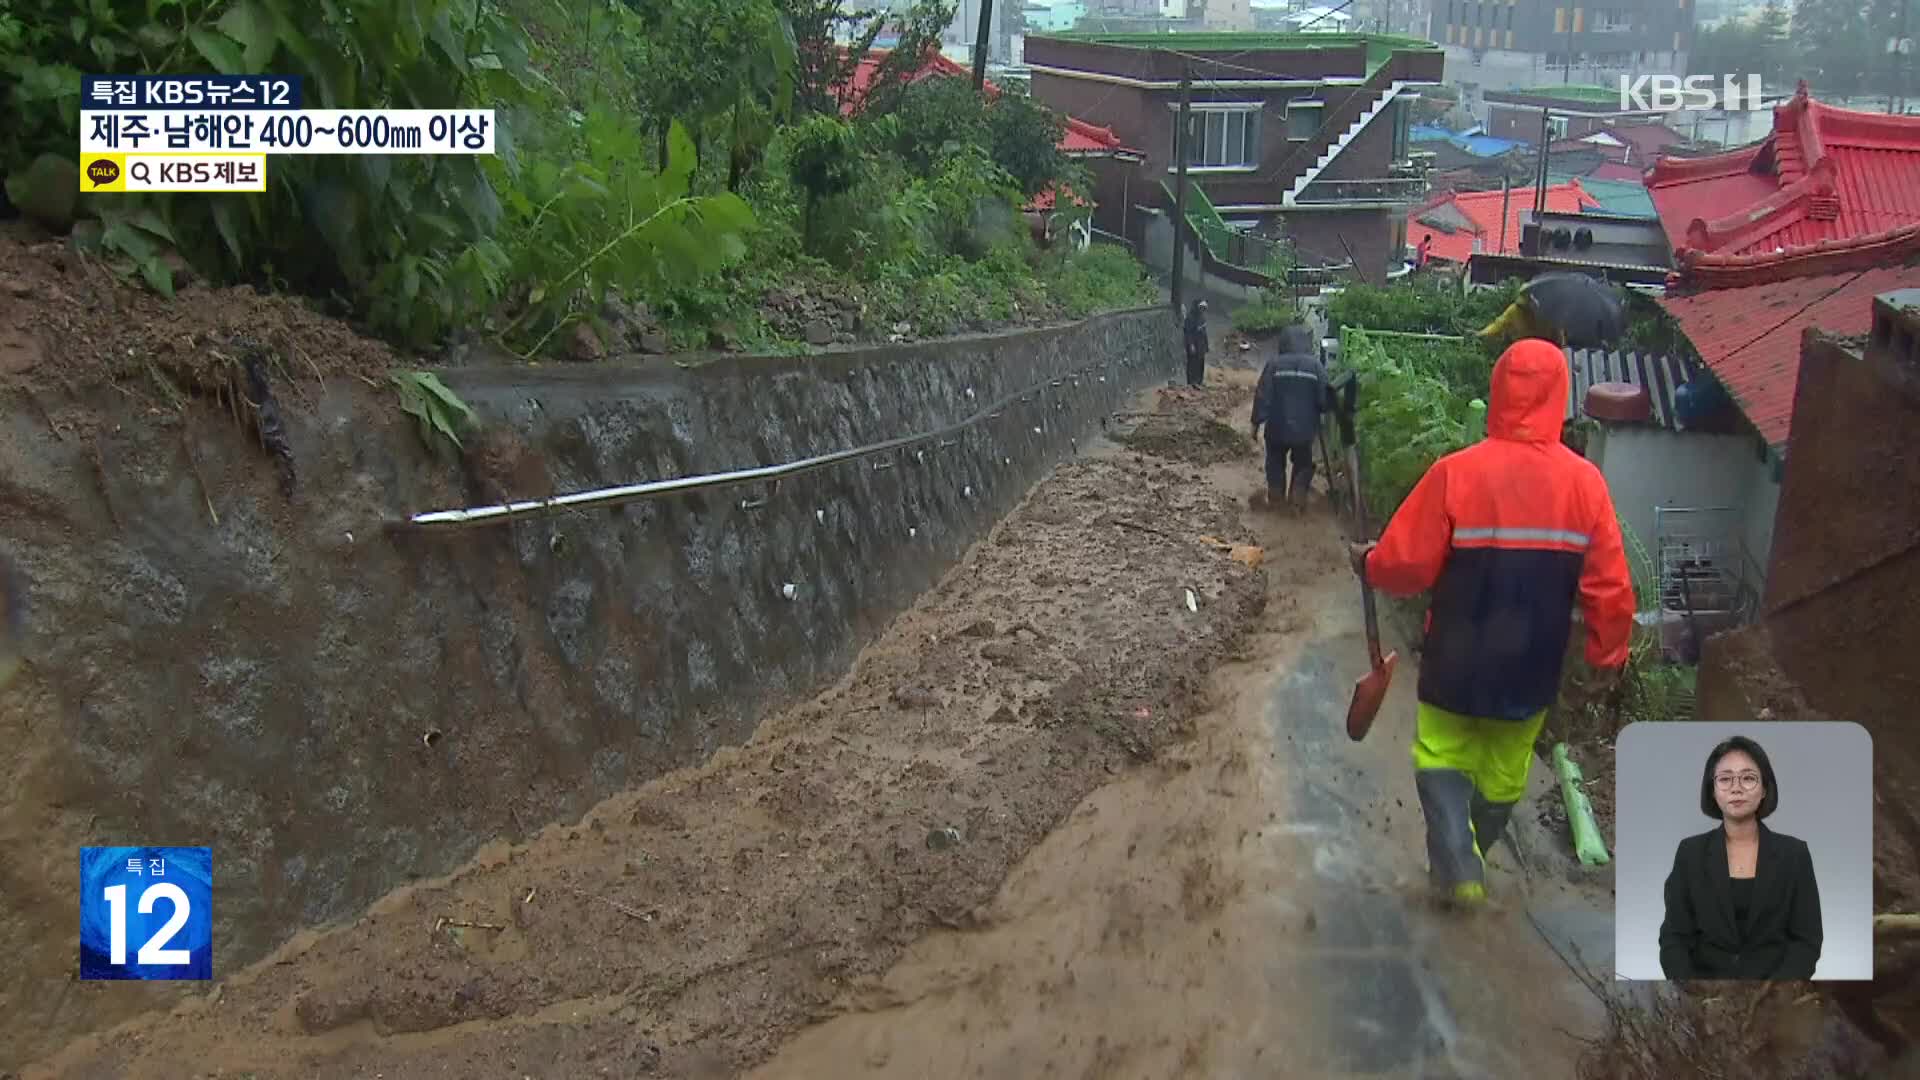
[(1303, 135), (1573, 111)]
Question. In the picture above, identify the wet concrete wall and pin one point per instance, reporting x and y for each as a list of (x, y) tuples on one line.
[(337, 709)]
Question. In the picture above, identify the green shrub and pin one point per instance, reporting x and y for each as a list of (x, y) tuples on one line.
[(1415, 407), (1102, 278), (1419, 305), (1264, 317)]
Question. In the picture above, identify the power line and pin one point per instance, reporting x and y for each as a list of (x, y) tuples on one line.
[(1802, 310)]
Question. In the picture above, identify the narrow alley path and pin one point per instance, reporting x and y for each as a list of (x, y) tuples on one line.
[(1058, 821), (1249, 905)]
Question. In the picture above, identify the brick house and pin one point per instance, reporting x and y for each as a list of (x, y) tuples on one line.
[(1578, 111), (1296, 134)]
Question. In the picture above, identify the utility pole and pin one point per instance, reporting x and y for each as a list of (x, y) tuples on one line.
[(1180, 191), (1539, 186), (981, 38), (1566, 75), (1506, 199)]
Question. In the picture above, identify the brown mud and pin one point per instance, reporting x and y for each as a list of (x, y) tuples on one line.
[(1059, 820)]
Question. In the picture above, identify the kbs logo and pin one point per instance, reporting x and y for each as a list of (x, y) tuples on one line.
[(1670, 93)]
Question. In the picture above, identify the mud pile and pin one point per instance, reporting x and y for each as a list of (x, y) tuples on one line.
[(693, 924)]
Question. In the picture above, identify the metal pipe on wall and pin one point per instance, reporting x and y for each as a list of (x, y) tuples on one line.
[(614, 496)]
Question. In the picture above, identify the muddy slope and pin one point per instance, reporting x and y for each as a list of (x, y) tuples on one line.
[(694, 923)]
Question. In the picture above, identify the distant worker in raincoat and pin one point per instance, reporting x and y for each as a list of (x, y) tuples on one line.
[(1509, 534), (1288, 401), (1195, 333)]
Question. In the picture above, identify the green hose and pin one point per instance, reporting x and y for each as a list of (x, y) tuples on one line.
[(1587, 843)]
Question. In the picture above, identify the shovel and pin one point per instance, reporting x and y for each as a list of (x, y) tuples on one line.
[(1370, 689)]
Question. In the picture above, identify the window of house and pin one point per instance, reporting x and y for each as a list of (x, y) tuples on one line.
[(1303, 118), (1225, 137)]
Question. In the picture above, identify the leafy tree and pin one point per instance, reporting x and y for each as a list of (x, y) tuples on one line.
[(1834, 44), (361, 227), (607, 219), (1728, 49), (1025, 137), (1773, 45), (697, 59), (826, 65), (824, 159), (936, 117)]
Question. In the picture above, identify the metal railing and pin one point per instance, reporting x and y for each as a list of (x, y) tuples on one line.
[(1100, 371), (1382, 189), (1703, 562)]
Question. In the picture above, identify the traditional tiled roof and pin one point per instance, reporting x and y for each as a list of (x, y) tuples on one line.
[(1825, 174), (1081, 138), (1750, 336), (1482, 208)]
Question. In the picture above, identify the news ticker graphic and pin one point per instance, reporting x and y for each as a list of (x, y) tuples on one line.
[(146, 913), (189, 91), (173, 172), (140, 133), (288, 131)]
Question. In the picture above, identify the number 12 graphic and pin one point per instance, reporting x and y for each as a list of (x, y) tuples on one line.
[(159, 900), (152, 952)]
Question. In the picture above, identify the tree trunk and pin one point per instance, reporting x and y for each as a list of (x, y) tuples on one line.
[(736, 153)]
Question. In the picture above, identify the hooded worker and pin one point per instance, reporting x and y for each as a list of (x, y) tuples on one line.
[(1195, 333), (1509, 534), (1289, 399)]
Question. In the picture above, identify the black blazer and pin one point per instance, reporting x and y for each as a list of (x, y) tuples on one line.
[(1780, 937)]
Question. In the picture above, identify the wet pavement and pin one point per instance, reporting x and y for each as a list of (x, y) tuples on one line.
[(1394, 967)]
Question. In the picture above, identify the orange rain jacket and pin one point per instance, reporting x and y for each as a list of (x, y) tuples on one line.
[(1508, 534)]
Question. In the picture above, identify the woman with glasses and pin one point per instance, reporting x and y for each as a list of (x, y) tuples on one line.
[(1741, 899)]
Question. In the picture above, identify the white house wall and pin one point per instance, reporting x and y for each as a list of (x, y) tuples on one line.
[(1647, 467)]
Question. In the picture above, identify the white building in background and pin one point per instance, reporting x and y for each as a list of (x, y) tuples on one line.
[(1291, 16), (1054, 16)]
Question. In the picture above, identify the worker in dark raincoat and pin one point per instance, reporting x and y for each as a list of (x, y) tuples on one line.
[(1195, 333), (1509, 534), (1289, 400)]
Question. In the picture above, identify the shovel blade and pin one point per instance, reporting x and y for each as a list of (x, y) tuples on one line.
[(1369, 692)]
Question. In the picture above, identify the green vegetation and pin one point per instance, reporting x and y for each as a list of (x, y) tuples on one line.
[(1417, 399), (1423, 389), (1277, 306), (438, 409), (1651, 330), (1379, 47), (1419, 305), (1581, 93), (685, 159)]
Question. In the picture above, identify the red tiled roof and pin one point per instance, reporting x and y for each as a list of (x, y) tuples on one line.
[(1824, 174), (1614, 170), (1647, 140), (854, 91), (1483, 209), (1080, 139), (1750, 336), (1085, 138)]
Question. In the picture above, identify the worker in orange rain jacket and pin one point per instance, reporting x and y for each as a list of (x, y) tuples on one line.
[(1508, 534)]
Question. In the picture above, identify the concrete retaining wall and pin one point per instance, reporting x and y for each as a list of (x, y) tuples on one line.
[(337, 710)]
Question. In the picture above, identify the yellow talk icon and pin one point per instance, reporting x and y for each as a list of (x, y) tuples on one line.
[(104, 172)]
